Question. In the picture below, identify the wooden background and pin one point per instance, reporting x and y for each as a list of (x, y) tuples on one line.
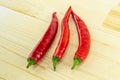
[(23, 23)]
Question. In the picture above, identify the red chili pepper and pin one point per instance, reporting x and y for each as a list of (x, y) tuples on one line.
[(64, 39), (44, 43), (84, 40)]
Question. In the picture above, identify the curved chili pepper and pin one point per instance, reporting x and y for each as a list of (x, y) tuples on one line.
[(44, 43), (84, 41), (64, 39)]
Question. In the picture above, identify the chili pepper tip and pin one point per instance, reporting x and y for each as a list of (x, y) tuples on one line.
[(77, 61), (55, 61), (30, 62)]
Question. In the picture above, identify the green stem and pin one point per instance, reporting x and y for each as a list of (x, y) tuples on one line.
[(55, 61), (77, 61), (30, 62)]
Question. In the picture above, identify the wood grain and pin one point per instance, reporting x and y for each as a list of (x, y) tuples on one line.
[(112, 21), (21, 29)]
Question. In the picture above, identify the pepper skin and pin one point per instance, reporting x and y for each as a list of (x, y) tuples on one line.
[(84, 41), (64, 39), (44, 43)]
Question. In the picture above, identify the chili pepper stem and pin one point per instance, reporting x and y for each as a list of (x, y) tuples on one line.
[(77, 61), (55, 61), (30, 62)]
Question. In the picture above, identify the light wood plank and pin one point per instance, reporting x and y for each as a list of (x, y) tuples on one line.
[(112, 21), (19, 34), (10, 72)]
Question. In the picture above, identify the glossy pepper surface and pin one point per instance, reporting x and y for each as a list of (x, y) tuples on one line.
[(84, 40), (44, 44), (64, 39)]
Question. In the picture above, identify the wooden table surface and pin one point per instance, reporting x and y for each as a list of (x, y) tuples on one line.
[(23, 23)]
